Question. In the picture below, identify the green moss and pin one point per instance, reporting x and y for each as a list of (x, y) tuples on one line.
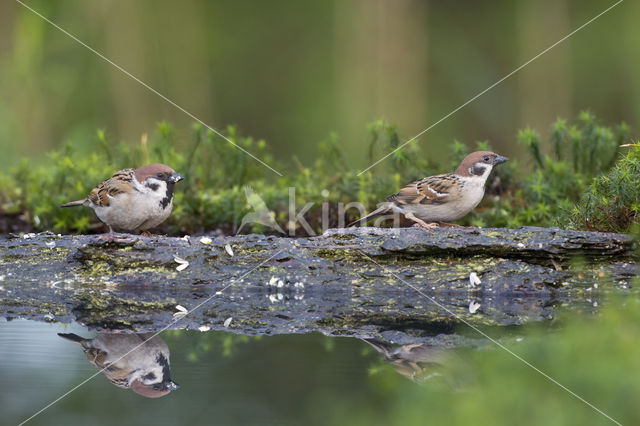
[(213, 194), (612, 202)]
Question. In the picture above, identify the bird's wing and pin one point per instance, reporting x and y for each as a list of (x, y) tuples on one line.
[(98, 358), (437, 189), (119, 183)]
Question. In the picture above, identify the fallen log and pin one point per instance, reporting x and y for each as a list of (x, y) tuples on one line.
[(395, 284)]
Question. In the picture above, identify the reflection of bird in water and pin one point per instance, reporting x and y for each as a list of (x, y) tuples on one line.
[(145, 370), (417, 362), (260, 214)]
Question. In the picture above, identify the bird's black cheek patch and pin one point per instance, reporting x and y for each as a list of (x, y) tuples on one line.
[(478, 169), (153, 186), (149, 377)]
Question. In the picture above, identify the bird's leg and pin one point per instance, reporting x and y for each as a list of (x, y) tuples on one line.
[(420, 222), (147, 234), (110, 229)]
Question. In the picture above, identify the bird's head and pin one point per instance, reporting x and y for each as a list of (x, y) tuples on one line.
[(479, 164), (156, 174)]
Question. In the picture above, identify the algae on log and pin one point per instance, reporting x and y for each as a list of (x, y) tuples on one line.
[(360, 282)]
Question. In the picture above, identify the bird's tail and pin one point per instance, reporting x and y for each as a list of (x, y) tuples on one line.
[(377, 212), (72, 337), (379, 346), (74, 203)]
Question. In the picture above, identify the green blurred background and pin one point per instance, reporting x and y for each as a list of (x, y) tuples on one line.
[(293, 71)]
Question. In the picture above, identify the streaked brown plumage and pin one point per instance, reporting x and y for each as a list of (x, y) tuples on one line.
[(441, 198), (133, 199), (139, 362)]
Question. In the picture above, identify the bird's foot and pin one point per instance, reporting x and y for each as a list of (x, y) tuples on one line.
[(425, 225), (147, 234), (114, 238), (419, 222)]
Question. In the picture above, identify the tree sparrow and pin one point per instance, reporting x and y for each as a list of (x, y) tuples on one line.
[(442, 198), (417, 362), (133, 200), (128, 362)]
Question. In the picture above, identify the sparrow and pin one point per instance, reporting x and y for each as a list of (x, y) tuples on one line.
[(421, 363), (133, 199), (441, 198), (139, 362), (417, 362)]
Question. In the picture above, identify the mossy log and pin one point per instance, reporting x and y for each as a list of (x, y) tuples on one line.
[(361, 282)]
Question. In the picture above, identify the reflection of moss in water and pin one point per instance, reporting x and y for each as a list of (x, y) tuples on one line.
[(597, 357), (210, 341)]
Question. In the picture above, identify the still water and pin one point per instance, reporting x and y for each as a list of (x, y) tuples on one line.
[(581, 368), (223, 378)]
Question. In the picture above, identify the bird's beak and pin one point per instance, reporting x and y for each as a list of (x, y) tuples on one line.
[(170, 385), (499, 160), (176, 177)]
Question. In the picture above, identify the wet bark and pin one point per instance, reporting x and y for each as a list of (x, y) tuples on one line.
[(393, 284)]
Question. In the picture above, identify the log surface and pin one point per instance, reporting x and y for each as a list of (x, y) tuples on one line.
[(396, 284)]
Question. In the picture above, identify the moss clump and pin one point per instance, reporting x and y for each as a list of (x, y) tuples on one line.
[(612, 201), (575, 154), (217, 173)]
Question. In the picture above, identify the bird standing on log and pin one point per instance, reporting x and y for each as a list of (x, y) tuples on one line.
[(442, 198), (133, 200)]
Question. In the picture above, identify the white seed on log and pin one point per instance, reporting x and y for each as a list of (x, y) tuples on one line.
[(227, 322), (182, 264), (474, 280), (473, 307), (229, 250)]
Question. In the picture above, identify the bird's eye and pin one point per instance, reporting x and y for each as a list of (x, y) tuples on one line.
[(486, 159), (160, 175), (156, 387)]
